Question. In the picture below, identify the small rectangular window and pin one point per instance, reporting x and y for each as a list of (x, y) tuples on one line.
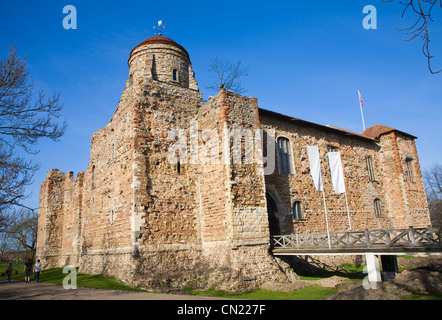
[(370, 169), (112, 215), (410, 174), (377, 208), (297, 210), (93, 177), (175, 75)]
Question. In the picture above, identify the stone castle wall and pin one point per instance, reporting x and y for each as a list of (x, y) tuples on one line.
[(403, 202), (406, 197), (172, 197)]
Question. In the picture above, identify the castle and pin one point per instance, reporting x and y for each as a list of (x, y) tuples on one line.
[(179, 192)]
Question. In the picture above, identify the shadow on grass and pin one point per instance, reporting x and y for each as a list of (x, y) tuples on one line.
[(352, 272)]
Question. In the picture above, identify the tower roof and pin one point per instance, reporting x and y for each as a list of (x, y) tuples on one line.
[(379, 129), (160, 40)]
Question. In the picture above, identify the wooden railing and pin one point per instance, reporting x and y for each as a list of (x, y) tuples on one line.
[(411, 237)]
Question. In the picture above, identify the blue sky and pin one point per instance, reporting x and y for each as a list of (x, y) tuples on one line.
[(306, 59)]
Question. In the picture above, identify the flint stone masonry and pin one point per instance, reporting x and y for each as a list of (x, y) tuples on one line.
[(156, 223)]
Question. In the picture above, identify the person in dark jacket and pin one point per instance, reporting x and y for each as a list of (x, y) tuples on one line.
[(9, 272), (28, 270)]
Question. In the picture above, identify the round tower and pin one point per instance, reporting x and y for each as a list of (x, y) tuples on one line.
[(161, 59)]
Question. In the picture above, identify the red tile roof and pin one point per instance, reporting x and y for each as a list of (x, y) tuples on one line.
[(379, 129), (160, 40)]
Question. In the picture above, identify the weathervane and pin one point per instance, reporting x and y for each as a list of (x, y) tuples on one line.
[(160, 28)]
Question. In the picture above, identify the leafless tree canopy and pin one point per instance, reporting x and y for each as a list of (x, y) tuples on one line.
[(24, 119), (433, 184), (15, 174), (23, 122), (420, 29), (18, 235), (227, 75)]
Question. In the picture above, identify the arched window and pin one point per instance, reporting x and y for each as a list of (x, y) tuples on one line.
[(377, 208), (175, 75), (297, 210), (284, 155)]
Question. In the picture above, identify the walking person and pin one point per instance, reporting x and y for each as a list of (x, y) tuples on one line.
[(37, 270), (9, 272), (28, 269)]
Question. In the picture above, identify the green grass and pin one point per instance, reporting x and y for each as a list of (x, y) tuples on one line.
[(350, 271), (16, 266), (309, 293), (99, 281), (56, 276)]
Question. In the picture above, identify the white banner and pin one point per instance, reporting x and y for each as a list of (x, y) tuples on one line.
[(315, 167), (337, 175)]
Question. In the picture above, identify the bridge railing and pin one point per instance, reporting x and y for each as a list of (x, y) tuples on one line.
[(411, 237)]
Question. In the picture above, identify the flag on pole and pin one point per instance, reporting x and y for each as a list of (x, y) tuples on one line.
[(315, 167), (315, 170), (361, 103), (360, 98), (337, 174)]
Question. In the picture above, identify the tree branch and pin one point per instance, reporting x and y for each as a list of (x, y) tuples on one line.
[(420, 28)]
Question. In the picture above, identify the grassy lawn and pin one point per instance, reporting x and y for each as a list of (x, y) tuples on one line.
[(56, 276)]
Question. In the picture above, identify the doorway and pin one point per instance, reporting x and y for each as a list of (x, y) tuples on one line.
[(272, 211)]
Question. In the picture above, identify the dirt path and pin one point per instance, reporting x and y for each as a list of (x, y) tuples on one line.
[(19, 290)]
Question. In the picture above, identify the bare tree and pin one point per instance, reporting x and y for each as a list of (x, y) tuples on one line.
[(4, 245), (15, 174), (227, 75), (24, 231), (19, 235), (22, 123), (6, 242), (420, 29), (433, 184)]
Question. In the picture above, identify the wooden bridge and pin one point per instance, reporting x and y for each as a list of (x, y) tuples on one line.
[(372, 243), (393, 241)]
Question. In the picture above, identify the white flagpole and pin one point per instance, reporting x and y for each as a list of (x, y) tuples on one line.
[(337, 175), (348, 212), (362, 113), (326, 220), (315, 171)]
